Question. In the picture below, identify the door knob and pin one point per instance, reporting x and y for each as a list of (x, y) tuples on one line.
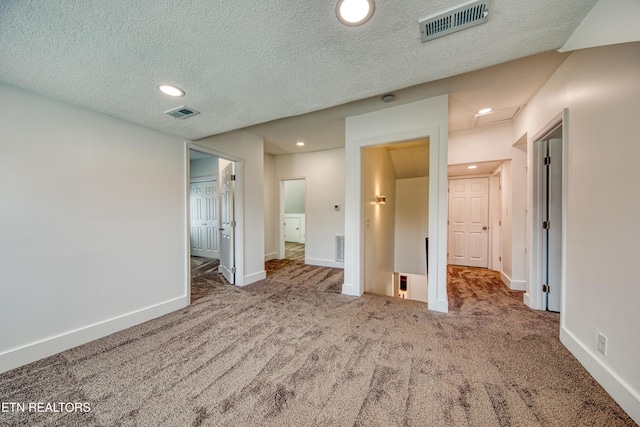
[(485, 228)]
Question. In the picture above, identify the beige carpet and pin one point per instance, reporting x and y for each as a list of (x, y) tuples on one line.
[(293, 351)]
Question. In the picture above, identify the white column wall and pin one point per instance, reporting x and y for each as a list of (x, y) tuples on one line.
[(426, 118)]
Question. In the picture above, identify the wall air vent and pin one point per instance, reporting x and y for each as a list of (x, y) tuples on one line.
[(339, 248), (457, 19), (182, 112)]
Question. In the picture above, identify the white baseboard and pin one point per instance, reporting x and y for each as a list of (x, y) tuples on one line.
[(324, 262), (505, 279), (48, 347), (439, 305), (350, 289), (255, 277), (270, 256), (518, 285), (526, 299), (620, 391)]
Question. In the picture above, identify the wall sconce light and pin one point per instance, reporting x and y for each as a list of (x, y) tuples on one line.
[(381, 200)]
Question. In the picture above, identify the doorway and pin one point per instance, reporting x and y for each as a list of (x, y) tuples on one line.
[(395, 204), (469, 222), (211, 222), (293, 215), (549, 212)]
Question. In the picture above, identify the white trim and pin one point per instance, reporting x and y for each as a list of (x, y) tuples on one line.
[(505, 279), (270, 256), (47, 347), (350, 289), (281, 213), (324, 262), (252, 278), (620, 391)]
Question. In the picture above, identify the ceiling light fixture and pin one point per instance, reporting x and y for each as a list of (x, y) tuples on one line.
[(472, 167), (485, 110), (300, 143), (354, 12), (171, 90)]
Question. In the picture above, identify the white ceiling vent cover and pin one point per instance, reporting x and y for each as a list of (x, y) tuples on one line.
[(457, 19), (182, 112)]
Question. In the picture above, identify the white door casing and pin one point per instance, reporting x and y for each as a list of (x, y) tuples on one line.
[(204, 219), (227, 226), (469, 222)]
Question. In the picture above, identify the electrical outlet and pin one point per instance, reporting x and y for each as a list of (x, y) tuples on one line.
[(602, 344)]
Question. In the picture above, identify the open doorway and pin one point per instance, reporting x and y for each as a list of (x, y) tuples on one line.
[(548, 221), (293, 218), (211, 222), (396, 218)]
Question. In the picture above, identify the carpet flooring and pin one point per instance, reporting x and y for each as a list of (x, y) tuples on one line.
[(292, 351)]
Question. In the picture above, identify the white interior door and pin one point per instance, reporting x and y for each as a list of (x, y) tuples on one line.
[(292, 229), (228, 224), (552, 216), (204, 219), (469, 222)]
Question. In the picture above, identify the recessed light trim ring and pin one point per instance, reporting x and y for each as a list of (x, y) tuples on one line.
[(171, 90), (354, 12)]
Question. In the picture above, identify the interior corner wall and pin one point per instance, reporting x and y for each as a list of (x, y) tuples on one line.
[(86, 200), (601, 90), (426, 118), (378, 178), (250, 149), (270, 208), (324, 179)]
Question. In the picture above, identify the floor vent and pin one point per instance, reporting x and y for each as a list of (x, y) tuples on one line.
[(457, 19), (182, 112), (339, 248)]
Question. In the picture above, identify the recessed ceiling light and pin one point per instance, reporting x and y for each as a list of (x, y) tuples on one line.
[(299, 143), (388, 97), (472, 167), (485, 110), (171, 90), (354, 12)]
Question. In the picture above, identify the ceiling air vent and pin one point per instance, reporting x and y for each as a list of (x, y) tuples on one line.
[(457, 19), (182, 112)]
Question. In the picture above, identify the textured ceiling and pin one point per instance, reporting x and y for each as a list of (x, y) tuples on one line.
[(246, 62)]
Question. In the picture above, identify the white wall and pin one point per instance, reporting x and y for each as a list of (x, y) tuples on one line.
[(411, 225), (426, 118), (482, 144), (294, 196), (378, 178), (270, 208), (324, 177), (93, 226), (601, 89), (241, 145)]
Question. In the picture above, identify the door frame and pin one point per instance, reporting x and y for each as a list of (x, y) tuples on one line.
[(534, 297), (280, 225), (354, 212), (239, 209), (489, 215)]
